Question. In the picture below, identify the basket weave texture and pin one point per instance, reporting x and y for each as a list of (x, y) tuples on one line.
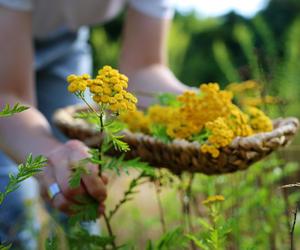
[(181, 155)]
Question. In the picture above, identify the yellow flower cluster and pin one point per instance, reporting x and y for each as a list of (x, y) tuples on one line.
[(161, 114), (108, 88), (221, 136), (211, 110), (258, 101), (78, 83), (213, 199), (259, 121), (208, 106), (243, 86), (238, 122), (136, 121), (249, 93)]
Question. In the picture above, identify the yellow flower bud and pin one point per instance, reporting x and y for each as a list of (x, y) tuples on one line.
[(97, 98), (85, 76), (71, 78), (113, 107), (107, 90), (105, 98), (72, 87), (131, 107), (96, 89), (114, 80), (119, 97), (118, 87), (82, 86), (114, 72), (112, 100), (123, 77), (107, 68), (124, 84)]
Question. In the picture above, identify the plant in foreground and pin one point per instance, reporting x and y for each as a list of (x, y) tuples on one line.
[(29, 168), (108, 91)]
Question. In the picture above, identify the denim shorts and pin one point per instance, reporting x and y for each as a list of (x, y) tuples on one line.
[(63, 53)]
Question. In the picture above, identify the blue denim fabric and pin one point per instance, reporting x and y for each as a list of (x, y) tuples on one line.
[(62, 54)]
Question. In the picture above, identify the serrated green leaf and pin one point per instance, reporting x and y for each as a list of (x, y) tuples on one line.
[(26, 170), (199, 243), (89, 116), (8, 111), (76, 175), (86, 210)]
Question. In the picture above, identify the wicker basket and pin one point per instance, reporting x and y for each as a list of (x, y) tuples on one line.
[(181, 155)]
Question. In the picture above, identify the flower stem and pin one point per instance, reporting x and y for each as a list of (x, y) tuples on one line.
[(160, 207), (106, 219)]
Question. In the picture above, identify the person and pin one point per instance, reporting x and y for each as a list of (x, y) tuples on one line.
[(41, 43)]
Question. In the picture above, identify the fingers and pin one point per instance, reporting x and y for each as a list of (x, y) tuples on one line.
[(62, 160), (59, 201), (94, 185), (104, 178), (62, 173)]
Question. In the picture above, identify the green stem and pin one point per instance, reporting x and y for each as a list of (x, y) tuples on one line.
[(134, 183), (106, 219), (160, 207), (90, 107)]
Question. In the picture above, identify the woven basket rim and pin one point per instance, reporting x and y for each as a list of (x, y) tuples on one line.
[(286, 126)]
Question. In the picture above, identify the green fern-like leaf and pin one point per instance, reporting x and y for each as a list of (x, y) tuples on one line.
[(8, 111), (76, 175), (26, 170), (80, 239), (199, 243), (5, 247), (86, 210), (89, 117)]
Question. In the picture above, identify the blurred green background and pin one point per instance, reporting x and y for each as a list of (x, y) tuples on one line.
[(225, 49)]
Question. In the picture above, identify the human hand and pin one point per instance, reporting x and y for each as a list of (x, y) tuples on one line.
[(147, 82), (59, 169)]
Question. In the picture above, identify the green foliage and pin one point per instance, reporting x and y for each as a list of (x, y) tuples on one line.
[(85, 210), (89, 117), (112, 132), (160, 132), (9, 111), (51, 243), (224, 61), (128, 194), (118, 164), (167, 99), (76, 175), (118, 143), (80, 239), (26, 170), (202, 137), (173, 239), (5, 247)]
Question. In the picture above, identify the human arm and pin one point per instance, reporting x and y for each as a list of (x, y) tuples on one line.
[(29, 131), (144, 56)]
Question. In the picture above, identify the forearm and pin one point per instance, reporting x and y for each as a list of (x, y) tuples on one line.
[(24, 133), (144, 42)]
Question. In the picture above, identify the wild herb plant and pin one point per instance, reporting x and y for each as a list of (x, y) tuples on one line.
[(110, 99), (29, 168)]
